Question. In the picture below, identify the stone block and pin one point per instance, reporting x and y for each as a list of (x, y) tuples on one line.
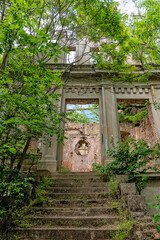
[(127, 189), (136, 203)]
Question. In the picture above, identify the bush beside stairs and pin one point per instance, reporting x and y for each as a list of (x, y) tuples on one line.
[(81, 206)]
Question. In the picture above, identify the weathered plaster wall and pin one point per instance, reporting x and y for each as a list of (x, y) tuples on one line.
[(82, 148)]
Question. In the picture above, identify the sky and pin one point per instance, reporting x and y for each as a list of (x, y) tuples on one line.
[(127, 6)]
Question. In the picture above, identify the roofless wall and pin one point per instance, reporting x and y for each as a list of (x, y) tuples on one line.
[(87, 83)]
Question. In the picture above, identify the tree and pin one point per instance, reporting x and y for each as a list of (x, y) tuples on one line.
[(139, 40), (31, 32)]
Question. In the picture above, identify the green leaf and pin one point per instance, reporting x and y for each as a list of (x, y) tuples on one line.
[(66, 50), (13, 150)]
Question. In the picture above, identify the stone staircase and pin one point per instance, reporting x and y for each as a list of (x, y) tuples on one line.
[(78, 207)]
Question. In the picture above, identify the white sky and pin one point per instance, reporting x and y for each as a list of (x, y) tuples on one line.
[(127, 6)]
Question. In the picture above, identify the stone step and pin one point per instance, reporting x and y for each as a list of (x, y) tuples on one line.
[(78, 202), (146, 226), (74, 211), (147, 234), (76, 189), (61, 233), (75, 184), (77, 178), (74, 173), (78, 181), (73, 196), (74, 221)]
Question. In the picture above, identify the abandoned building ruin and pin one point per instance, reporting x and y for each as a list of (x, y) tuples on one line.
[(85, 84), (79, 205)]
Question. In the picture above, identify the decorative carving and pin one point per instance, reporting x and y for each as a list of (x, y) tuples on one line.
[(131, 90), (82, 90), (82, 148)]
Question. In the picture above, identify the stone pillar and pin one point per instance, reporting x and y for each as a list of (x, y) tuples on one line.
[(49, 154), (111, 122), (48, 162), (155, 91)]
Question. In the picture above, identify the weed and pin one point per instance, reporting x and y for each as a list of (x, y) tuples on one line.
[(156, 216), (79, 224), (18, 217), (78, 180), (60, 223), (113, 186), (89, 205), (124, 229), (72, 198), (65, 169), (40, 193)]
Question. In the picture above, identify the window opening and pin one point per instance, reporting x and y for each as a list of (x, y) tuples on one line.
[(70, 57), (83, 113)]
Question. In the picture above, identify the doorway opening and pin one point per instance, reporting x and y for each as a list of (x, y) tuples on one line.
[(136, 120), (82, 146)]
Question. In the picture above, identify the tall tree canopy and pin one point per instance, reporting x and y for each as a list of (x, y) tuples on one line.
[(31, 33), (139, 41)]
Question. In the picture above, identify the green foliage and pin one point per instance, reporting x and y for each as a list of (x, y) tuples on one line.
[(65, 169), (113, 186), (14, 195), (12, 188), (79, 224), (138, 37), (40, 193), (131, 157), (19, 217), (156, 105), (124, 229), (127, 115), (77, 117), (125, 223), (30, 35), (156, 216), (105, 173), (80, 115)]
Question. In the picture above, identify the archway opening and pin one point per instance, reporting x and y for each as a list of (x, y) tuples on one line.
[(82, 131)]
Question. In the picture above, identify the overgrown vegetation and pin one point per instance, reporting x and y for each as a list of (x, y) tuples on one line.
[(139, 40), (12, 188), (39, 196), (130, 113), (124, 229), (113, 186), (156, 205), (15, 190), (30, 35), (19, 200), (132, 157), (126, 222), (65, 169)]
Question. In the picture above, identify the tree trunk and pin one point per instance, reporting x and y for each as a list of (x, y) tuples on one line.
[(19, 165)]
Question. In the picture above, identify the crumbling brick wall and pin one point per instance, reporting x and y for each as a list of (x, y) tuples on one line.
[(82, 148), (145, 130)]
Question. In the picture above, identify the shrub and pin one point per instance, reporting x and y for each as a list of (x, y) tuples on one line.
[(132, 157)]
